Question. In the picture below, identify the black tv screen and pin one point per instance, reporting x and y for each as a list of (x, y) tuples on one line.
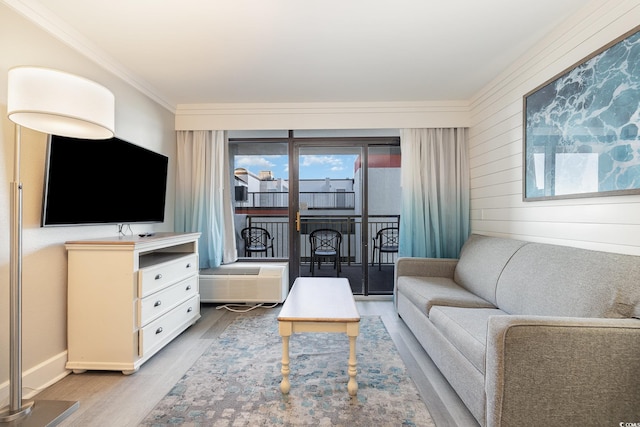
[(107, 181)]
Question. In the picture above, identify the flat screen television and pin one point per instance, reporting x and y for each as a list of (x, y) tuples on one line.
[(107, 181)]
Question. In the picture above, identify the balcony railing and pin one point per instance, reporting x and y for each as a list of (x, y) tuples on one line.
[(349, 225), (312, 200)]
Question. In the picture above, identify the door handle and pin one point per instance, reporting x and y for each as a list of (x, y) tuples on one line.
[(298, 221)]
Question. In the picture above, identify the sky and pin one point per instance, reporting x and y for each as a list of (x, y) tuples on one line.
[(334, 166)]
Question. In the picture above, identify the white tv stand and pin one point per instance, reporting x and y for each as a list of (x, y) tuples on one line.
[(128, 297)]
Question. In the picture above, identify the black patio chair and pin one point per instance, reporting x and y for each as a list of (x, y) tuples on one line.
[(325, 243), (385, 242), (256, 240)]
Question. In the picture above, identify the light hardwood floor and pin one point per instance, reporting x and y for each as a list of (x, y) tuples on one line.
[(111, 399)]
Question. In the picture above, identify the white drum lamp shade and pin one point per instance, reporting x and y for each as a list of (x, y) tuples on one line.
[(59, 103)]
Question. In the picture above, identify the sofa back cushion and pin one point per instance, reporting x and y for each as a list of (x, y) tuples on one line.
[(550, 280), (482, 259)]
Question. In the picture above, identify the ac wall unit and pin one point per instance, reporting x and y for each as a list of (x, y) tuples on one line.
[(245, 282)]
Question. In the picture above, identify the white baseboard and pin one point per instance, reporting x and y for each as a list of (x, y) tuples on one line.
[(38, 378)]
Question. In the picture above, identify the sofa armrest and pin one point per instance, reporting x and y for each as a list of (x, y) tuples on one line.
[(421, 267), (425, 267), (562, 371)]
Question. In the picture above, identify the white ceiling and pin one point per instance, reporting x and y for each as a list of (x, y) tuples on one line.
[(265, 51)]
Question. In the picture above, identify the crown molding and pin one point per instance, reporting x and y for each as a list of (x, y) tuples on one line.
[(320, 107), (52, 24)]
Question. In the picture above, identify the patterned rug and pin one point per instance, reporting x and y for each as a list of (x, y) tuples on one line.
[(236, 381)]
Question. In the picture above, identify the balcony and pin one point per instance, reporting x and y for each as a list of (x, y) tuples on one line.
[(335, 210), (380, 281), (349, 225)]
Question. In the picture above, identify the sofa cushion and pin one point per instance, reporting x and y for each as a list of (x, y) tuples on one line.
[(550, 280), (466, 329), (482, 259), (426, 292)]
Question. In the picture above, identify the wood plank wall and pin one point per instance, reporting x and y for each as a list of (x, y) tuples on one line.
[(602, 223)]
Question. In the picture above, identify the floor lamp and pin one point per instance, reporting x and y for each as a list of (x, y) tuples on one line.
[(55, 102)]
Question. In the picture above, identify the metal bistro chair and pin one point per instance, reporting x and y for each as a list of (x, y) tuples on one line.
[(325, 243), (256, 240), (385, 242)]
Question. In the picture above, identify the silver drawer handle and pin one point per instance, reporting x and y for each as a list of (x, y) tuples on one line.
[(159, 330), (190, 309), (159, 276), (188, 288), (157, 304)]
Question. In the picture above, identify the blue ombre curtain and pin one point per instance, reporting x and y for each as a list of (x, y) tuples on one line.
[(203, 195), (434, 218)]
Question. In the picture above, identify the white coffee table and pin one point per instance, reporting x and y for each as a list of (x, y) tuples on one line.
[(319, 304)]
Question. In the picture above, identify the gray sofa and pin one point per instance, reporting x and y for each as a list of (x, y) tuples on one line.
[(529, 333)]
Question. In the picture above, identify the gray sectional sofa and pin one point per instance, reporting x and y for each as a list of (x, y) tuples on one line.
[(530, 333)]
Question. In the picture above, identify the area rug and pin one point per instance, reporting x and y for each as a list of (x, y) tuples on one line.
[(236, 381)]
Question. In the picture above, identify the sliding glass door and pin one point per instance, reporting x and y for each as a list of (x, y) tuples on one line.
[(261, 197), (383, 216), (347, 191), (288, 189), (330, 212)]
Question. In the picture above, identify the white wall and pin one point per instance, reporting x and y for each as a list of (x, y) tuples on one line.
[(138, 120), (603, 223)]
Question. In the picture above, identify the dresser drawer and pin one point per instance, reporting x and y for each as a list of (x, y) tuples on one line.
[(157, 304), (154, 335), (154, 278)]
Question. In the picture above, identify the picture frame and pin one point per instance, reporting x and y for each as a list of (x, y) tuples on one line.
[(581, 128)]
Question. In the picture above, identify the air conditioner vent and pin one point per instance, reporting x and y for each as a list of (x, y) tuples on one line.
[(245, 282)]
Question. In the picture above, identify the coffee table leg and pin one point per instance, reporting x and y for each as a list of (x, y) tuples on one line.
[(285, 332), (352, 332)]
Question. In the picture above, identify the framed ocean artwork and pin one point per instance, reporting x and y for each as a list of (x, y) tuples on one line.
[(581, 128)]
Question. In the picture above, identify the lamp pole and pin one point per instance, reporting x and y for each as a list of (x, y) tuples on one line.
[(16, 407), (19, 412)]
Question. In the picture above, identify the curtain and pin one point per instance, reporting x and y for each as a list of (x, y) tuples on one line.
[(203, 195), (434, 217)]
